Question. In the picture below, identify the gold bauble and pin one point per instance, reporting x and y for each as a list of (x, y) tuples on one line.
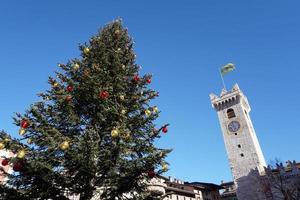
[(21, 154), (6, 139), (123, 112), (29, 141), (55, 84), (115, 133), (122, 97), (123, 66), (117, 32), (165, 167), (86, 50), (147, 112), (76, 66), (119, 49), (22, 131), (64, 146), (2, 145), (155, 109)]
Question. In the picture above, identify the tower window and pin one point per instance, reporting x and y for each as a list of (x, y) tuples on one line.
[(230, 113), (239, 146), (242, 155)]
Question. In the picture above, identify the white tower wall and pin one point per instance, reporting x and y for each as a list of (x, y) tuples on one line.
[(244, 153)]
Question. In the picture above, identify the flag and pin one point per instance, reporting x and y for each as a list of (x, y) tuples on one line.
[(227, 68)]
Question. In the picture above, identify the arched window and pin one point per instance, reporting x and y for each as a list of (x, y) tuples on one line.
[(230, 113)]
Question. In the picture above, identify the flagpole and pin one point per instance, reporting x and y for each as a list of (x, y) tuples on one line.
[(222, 79)]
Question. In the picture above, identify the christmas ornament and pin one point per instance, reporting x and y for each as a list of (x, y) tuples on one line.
[(55, 84), (162, 154), (76, 66), (21, 154), (165, 167), (114, 133), (86, 50), (136, 78), (29, 141), (6, 139), (69, 88), (24, 124), (117, 32), (147, 113), (4, 162), (148, 80), (154, 130), (155, 109), (165, 129), (104, 94), (123, 112), (2, 145), (151, 174), (119, 49), (122, 97), (69, 98), (17, 167), (64, 145), (123, 67), (22, 131)]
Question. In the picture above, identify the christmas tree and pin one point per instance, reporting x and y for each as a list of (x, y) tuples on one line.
[(93, 132)]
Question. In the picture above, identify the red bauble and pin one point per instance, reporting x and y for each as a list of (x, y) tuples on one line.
[(5, 162), (165, 129), (136, 78), (17, 167), (69, 88), (104, 94), (151, 174), (24, 123), (148, 80)]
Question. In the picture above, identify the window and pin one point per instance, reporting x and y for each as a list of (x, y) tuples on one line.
[(242, 155), (239, 146), (230, 113), (235, 133)]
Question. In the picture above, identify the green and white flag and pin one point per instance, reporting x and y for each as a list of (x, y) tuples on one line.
[(227, 68)]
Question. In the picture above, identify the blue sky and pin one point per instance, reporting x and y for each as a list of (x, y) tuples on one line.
[(182, 43)]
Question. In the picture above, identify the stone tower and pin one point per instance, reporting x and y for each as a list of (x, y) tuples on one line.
[(244, 153)]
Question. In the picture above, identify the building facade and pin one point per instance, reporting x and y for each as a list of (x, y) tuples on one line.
[(229, 191), (176, 189)]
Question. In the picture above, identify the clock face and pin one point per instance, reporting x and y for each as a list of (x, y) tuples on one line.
[(234, 126)]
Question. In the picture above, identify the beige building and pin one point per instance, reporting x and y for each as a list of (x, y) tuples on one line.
[(229, 191), (180, 190)]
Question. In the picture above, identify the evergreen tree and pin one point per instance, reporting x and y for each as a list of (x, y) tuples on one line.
[(93, 132)]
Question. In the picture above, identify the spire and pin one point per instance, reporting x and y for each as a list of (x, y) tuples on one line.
[(236, 87), (213, 96), (224, 91)]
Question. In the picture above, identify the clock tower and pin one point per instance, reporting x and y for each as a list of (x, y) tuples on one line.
[(244, 153)]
